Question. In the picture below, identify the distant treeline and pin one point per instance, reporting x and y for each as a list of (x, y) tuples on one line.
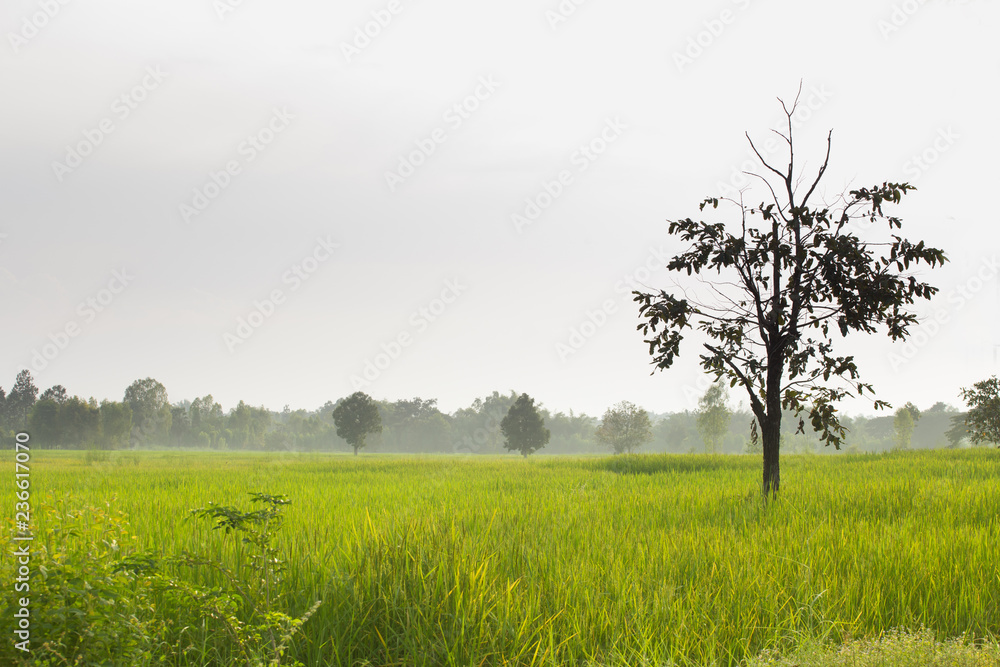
[(145, 418)]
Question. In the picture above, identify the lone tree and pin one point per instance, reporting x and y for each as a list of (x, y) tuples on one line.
[(714, 416), (903, 424), (625, 427), (982, 421), (787, 272), (356, 417), (523, 427)]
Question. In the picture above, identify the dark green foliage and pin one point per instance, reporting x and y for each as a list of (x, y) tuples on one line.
[(55, 393), (356, 417), (523, 428)]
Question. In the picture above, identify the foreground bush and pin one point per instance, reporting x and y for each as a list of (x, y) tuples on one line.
[(83, 610), (94, 600)]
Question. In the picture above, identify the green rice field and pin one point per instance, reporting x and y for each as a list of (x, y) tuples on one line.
[(638, 560)]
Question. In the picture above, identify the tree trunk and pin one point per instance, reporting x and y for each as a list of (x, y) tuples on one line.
[(525, 454), (355, 451), (771, 440), (770, 430)]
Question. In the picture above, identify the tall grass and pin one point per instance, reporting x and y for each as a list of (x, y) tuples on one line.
[(611, 561)]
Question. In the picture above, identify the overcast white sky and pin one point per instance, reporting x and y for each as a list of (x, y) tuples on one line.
[(116, 114)]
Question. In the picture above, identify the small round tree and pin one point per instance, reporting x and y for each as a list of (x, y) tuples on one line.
[(523, 427), (625, 427), (356, 417)]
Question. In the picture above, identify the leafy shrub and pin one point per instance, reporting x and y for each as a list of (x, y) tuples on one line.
[(95, 601), (83, 610)]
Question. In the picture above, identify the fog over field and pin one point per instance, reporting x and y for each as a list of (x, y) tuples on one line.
[(283, 203)]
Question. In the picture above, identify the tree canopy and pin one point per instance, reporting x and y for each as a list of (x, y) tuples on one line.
[(356, 417), (523, 428), (625, 427)]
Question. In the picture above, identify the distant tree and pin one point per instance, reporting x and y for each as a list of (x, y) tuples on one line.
[(116, 423), (523, 428), (249, 425), (206, 417), (150, 411), (571, 432), (903, 424), (81, 422), (21, 399), (983, 418), (675, 432), (45, 425), (625, 427), (713, 416), (788, 272), (414, 426), (958, 431), (356, 417), (55, 393), (180, 425)]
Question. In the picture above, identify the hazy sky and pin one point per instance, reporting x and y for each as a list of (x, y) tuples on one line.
[(282, 202)]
